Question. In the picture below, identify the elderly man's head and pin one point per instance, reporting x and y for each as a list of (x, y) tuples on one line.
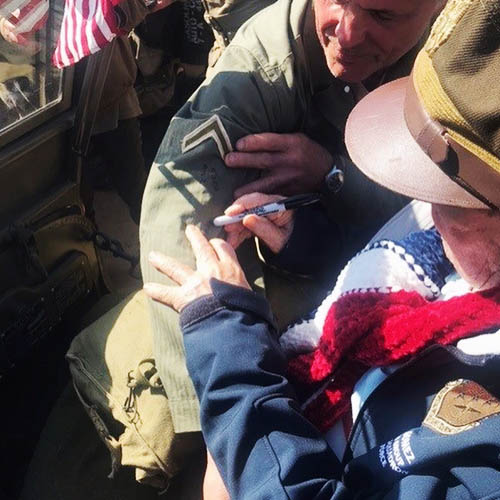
[(360, 37), (435, 136), (471, 240)]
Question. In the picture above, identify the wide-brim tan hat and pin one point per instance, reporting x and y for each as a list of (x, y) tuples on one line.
[(435, 135), (380, 144)]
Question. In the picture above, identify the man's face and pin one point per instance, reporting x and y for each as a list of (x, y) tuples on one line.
[(360, 37), (471, 240)]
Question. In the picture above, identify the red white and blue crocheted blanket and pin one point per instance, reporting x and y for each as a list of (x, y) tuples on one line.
[(383, 309)]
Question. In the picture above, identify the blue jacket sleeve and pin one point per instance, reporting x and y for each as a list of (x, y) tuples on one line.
[(265, 449), (263, 446)]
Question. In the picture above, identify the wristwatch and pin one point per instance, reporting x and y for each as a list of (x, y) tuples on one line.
[(334, 179)]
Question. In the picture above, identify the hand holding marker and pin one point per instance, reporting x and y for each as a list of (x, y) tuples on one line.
[(299, 200)]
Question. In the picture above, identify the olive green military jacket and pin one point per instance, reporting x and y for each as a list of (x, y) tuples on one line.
[(225, 17), (271, 78), (119, 100)]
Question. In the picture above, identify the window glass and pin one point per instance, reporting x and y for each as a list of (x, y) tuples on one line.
[(29, 82)]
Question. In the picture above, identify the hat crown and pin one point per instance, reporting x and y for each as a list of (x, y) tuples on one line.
[(445, 24), (464, 50)]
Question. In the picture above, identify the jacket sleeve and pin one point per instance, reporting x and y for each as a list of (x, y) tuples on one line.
[(190, 183), (189, 173), (263, 446), (261, 443), (130, 13)]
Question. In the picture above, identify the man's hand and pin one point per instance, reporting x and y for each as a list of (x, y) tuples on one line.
[(161, 4), (292, 163), (274, 230), (213, 486), (214, 259), (8, 32)]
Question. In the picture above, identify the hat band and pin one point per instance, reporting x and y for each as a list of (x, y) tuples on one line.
[(464, 168)]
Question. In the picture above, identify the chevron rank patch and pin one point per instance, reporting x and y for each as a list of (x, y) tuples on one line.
[(211, 129), (460, 406)]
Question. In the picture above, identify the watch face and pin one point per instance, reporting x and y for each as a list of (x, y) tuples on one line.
[(334, 180)]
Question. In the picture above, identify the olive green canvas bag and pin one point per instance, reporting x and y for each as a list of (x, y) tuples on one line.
[(115, 377)]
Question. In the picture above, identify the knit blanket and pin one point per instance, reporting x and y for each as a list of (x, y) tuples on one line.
[(383, 310)]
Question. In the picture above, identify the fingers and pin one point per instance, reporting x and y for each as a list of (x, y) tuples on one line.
[(215, 259), (251, 200), (273, 236), (266, 141), (170, 267), (282, 219), (210, 254), (213, 486), (259, 160), (262, 151), (236, 234), (202, 249), (7, 31), (161, 4), (167, 295), (224, 251), (236, 239), (229, 267)]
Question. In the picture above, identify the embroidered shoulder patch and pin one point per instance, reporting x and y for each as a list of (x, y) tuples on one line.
[(210, 129), (459, 406), (446, 23)]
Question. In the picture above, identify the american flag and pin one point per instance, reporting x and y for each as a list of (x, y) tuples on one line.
[(27, 16), (87, 26)]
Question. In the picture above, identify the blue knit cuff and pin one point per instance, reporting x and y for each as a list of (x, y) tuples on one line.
[(226, 296)]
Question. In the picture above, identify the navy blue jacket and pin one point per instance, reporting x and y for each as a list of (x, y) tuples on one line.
[(265, 448)]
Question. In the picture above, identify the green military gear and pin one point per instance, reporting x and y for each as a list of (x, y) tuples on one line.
[(115, 377), (225, 17), (271, 78), (119, 100)]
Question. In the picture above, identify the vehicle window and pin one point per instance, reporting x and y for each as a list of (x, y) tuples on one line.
[(29, 83)]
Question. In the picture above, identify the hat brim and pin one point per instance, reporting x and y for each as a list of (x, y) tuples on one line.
[(382, 147)]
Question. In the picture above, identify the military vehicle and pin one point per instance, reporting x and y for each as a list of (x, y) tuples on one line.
[(54, 261)]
